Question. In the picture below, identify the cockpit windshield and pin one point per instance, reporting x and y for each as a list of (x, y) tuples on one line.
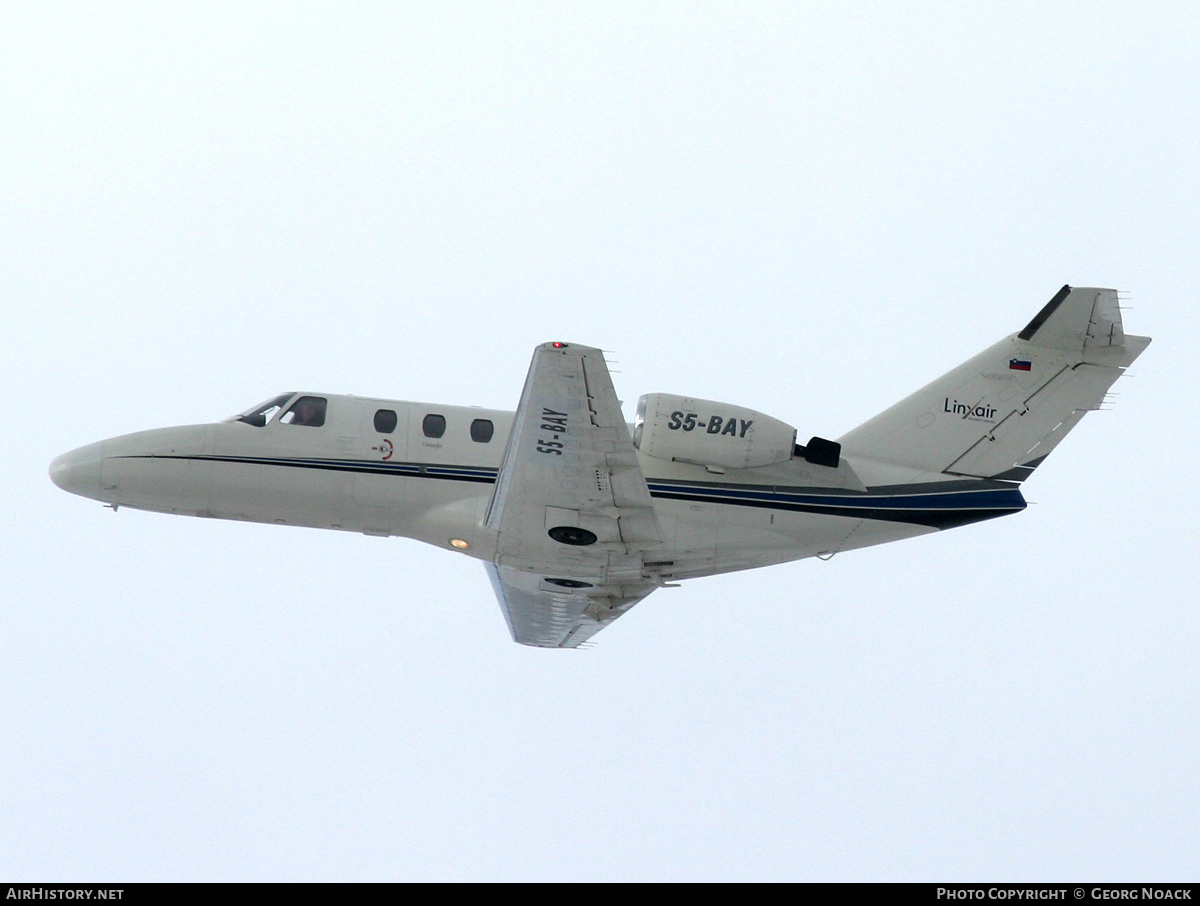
[(263, 413), (308, 411)]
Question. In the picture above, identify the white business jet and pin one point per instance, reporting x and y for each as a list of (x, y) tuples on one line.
[(578, 516)]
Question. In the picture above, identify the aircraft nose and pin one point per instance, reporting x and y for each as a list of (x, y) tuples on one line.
[(79, 470)]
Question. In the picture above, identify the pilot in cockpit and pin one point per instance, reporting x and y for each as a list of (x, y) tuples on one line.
[(309, 410)]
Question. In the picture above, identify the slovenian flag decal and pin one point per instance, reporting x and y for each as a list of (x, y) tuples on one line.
[(1020, 365)]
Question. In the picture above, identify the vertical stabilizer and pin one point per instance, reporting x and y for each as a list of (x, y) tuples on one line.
[(1001, 413)]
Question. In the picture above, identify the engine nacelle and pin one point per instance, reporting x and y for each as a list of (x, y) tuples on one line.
[(709, 433)]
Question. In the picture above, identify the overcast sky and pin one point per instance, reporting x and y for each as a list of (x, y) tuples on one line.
[(807, 209)]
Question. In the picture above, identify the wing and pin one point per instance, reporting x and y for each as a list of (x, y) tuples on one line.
[(549, 616), (571, 507)]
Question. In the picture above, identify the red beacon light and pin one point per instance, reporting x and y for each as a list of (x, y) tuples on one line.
[(559, 345)]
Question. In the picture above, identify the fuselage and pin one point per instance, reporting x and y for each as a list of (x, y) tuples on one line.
[(427, 472)]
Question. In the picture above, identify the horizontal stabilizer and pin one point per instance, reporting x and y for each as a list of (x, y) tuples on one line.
[(1076, 318)]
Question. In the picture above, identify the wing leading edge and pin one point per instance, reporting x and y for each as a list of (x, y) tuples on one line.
[(571, 507)]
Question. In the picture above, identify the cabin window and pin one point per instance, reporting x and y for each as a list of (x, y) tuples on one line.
[(308, 411), (264, 412), (434, 425), (482, 430), (385, 421)]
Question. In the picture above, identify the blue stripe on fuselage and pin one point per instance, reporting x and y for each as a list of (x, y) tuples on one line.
[(935, 504)]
